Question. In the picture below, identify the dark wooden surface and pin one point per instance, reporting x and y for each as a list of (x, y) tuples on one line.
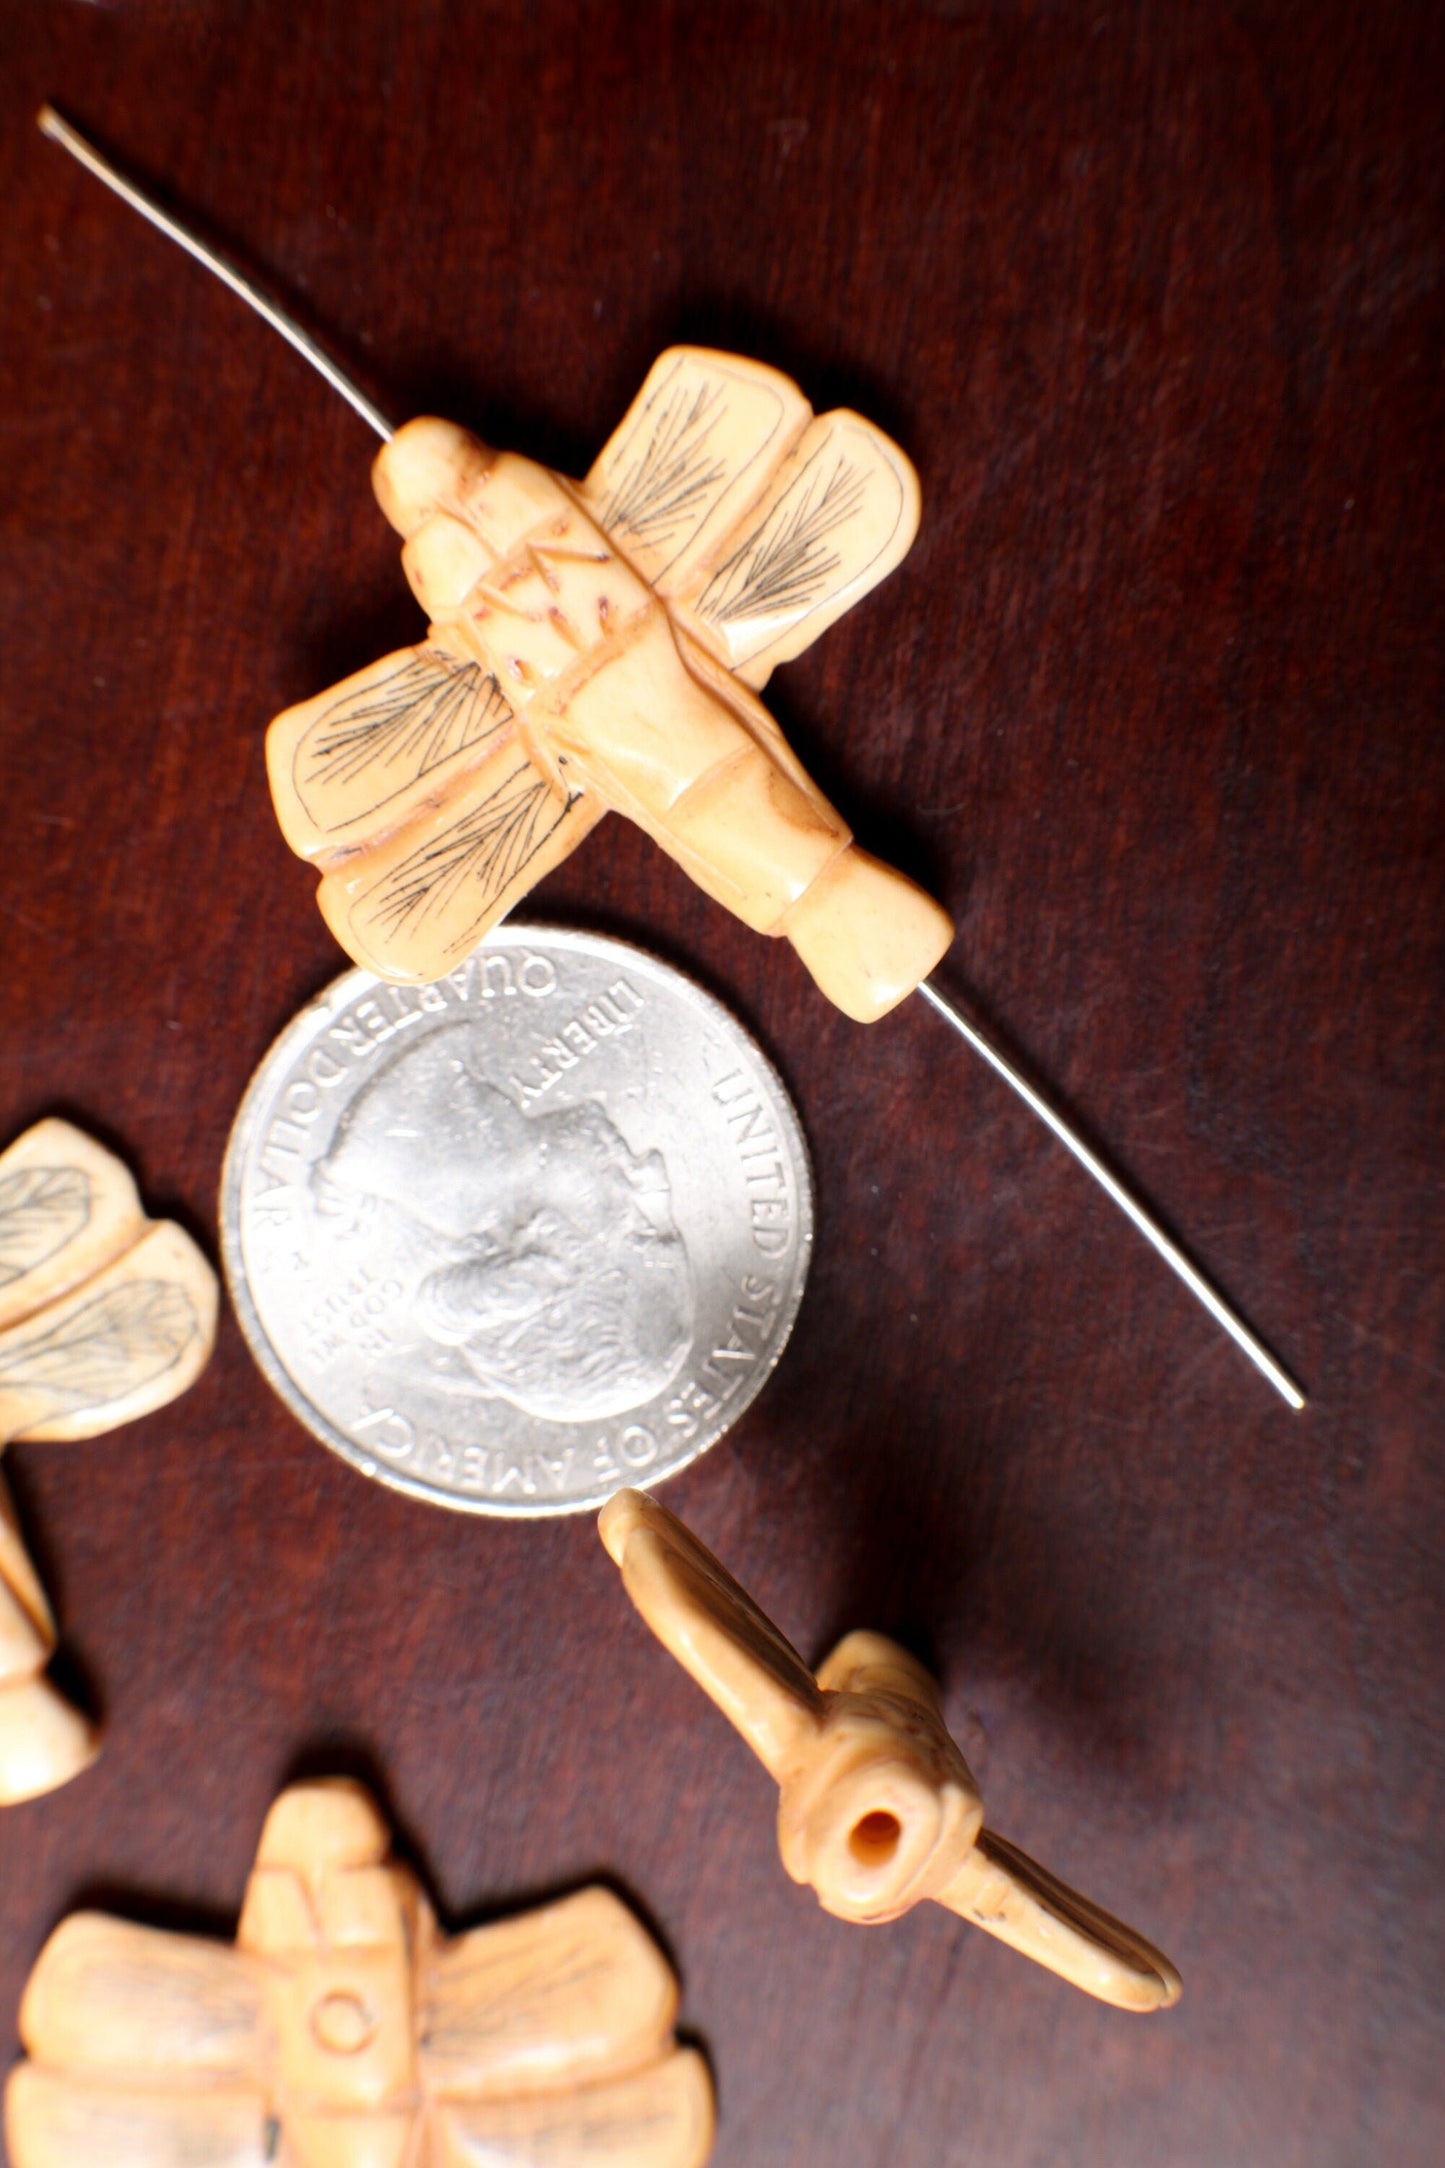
[(1152, 296)]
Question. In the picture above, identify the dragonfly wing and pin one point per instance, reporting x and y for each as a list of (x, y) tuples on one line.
[(56, 2121), (110, 1999), (1011, 1896), (658, 2118), (557, 1997), (712, 1626), (67, 1207), (130, 1340), (840, 514), (418, 902), (146, 2053), (698, 446), (361, 759)]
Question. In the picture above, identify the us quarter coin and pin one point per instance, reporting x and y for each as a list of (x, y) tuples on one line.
[(514, 1239)]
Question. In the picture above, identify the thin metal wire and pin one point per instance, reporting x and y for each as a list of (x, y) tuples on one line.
[(1148, 1227), (60, 131)]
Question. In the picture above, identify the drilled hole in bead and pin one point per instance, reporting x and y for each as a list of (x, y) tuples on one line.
[(342, 2023), (874, 1840)]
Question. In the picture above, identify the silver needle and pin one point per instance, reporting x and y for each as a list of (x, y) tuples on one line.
[(60, 131), (1148, 1226)]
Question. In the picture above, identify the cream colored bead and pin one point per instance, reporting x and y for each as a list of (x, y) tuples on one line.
[(345, 2031), (104, 1316), (596, 647), (877, 1807)]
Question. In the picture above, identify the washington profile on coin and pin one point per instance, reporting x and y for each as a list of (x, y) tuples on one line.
[(559, 1275), (508, 1240)]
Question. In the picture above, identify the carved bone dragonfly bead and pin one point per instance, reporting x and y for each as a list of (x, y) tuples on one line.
[(598, 646), (345, 2030), (877, 1808), (104, 1316)]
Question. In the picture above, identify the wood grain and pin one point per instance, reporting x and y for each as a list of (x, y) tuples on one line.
[(1151, 296)]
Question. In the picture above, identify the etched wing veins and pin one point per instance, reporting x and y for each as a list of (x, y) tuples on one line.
[(113, 1344), (491, 845), (41, 1209), (785, 565), (429, 708), (674, 472)]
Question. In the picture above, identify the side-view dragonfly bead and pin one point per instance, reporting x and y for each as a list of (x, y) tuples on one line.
[(104, 1316), (878, 1809)]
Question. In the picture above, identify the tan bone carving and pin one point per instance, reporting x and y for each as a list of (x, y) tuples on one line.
[(878, 1808), (599, 645), (345, 2031), (104, 1315)]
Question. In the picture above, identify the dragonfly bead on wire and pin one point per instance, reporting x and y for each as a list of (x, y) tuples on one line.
[(600, 644)]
